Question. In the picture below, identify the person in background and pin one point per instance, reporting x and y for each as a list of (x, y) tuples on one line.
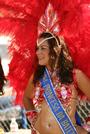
[(54, 88), (2, 79)]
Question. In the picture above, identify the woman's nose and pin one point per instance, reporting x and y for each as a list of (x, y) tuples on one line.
[(38, 51)]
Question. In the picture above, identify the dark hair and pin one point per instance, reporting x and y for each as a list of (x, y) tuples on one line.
[(65, 66)]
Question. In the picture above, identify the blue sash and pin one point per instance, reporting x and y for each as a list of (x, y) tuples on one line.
[(55, 105)]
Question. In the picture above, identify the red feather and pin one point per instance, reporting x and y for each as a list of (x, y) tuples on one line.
[(19, 19)]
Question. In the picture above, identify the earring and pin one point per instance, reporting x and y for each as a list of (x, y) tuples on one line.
[(57, 50), (52, 57)]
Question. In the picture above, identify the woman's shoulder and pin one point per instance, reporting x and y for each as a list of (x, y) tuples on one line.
[(80, 76), (78, 72), (82, 81)]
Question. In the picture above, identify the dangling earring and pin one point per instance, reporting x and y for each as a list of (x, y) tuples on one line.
[(52, 58)]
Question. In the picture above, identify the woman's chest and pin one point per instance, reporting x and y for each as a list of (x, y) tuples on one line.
[(65, 93)]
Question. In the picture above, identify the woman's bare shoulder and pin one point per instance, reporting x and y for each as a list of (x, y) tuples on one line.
[(81, 76), (83, 82)]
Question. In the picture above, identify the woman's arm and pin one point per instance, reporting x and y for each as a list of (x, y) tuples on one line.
[(28, 95), (83, 82)]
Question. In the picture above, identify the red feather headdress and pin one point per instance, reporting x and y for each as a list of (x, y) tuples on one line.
[(20, 19)]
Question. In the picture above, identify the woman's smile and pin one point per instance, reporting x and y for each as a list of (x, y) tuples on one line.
[(43, 53)]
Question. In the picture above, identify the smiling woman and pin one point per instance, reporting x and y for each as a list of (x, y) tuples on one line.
[(71, 19), (52, 91), (42, 51)]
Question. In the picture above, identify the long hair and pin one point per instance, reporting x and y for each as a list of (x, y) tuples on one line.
[(64, 65)]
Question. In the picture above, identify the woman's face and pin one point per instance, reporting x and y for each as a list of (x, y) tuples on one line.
[(42, 52)]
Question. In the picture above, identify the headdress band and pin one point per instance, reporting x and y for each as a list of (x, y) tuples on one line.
[(38, 44), (48, 38)]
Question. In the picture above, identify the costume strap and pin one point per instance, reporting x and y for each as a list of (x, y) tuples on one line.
[(55, 105)]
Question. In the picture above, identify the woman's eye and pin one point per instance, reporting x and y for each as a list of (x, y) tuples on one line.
[(42, 48)]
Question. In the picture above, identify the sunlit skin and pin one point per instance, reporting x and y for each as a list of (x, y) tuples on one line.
[(42, 53), (46, 123)]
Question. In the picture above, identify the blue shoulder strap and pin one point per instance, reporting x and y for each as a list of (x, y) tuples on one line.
[(55, 105)]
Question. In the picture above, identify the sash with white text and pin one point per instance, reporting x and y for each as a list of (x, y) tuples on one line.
[(55, 105)]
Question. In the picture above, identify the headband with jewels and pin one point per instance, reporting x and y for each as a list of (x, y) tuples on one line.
[(49, 23)]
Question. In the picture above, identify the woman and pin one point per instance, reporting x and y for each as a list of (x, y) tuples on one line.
[(53, 57)]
